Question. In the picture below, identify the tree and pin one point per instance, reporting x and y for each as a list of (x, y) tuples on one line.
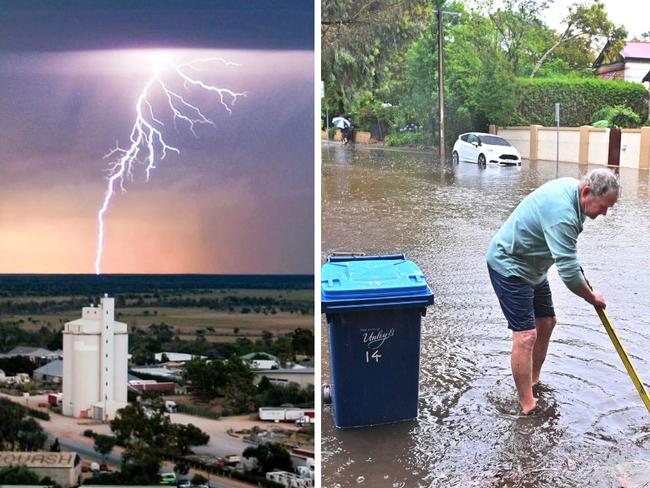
[(238, 386), (358, 39), (199, 479), (55, 447), (146, 435), (18, 475), (269, 457), (149, 437), (18, 431), (519, 31), (587, 22), (104, 445), (302, 342), (205, 380), (189, 435)]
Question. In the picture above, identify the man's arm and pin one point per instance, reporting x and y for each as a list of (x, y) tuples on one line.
[(594, 297)]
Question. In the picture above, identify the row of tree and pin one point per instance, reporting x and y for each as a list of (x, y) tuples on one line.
[(231, 382), (144, 343), (379, 57), (230, 303), (18, 430)]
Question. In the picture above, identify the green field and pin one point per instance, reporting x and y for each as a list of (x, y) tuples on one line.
[(181, 310)]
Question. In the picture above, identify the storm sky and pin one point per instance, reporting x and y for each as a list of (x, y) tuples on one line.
[(239, 198)]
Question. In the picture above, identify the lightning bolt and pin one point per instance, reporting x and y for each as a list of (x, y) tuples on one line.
[(147, 143)]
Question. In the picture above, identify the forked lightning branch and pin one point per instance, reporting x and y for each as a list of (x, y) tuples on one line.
[(148, 144)]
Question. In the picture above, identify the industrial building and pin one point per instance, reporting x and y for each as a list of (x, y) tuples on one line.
[(64, 468), (95, 364), (283, 376)]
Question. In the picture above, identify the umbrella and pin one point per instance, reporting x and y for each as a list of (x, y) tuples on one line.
[(341, 122)]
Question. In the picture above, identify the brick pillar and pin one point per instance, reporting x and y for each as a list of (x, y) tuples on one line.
[(534, 142), (644, 152), (492, 129), (583, 152)]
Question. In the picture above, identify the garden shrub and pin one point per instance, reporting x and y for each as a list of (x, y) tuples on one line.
[(407, 138), (618, 117), (624, 118)]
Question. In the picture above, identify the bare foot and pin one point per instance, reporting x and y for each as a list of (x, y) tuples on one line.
[(528, 409)]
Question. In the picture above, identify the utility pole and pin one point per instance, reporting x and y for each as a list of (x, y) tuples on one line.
[(441, 89), (557, 140)]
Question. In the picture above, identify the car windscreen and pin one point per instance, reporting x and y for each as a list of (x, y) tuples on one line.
[(494, 141)]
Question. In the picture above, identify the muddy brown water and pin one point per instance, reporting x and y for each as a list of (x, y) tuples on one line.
[(594, 430)]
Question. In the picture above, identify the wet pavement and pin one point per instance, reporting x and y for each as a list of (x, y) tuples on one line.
[(594, 430)]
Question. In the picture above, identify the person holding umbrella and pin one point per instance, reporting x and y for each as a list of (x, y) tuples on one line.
[(344, 125)]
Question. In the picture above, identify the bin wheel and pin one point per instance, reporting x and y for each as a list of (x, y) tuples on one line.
[(327, 394)]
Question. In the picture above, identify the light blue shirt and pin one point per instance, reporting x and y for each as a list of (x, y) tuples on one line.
[(541, 231)]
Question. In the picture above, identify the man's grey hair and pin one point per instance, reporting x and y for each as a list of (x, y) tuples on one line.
[(601, 181)]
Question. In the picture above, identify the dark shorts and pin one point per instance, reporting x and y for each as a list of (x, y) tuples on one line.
[(520, 301)]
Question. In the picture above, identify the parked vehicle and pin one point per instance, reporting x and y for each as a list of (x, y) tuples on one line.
[(232, 459), (167, 478), (186, 483), (483, 149)]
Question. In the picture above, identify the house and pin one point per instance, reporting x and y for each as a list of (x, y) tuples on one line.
[(630, 64)]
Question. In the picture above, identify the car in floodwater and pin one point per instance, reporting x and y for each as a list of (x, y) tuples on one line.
[(484, 149)]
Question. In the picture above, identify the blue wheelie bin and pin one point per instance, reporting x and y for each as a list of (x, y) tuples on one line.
[(374, 306)]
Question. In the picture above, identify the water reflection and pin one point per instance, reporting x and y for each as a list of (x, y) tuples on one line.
[(468, 432)]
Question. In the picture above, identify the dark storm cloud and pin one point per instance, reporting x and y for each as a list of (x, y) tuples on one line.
[(46, 25)]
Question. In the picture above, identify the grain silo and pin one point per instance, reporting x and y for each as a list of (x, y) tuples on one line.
[(95, 365)]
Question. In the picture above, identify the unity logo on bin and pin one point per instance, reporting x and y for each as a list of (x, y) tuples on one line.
[(375, 338)]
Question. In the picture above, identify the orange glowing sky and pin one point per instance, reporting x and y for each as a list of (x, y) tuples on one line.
[(239, 199)]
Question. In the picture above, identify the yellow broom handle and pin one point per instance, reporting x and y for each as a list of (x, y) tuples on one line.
[(622, 353)]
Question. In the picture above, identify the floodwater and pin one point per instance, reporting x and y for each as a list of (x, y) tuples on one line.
[(594, 430)]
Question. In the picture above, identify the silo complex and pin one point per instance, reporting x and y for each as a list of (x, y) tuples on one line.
[(95, 366)]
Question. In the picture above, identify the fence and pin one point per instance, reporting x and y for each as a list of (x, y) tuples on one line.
[(584, 145)]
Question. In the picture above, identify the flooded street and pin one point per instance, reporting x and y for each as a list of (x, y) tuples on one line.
[(594, 430)]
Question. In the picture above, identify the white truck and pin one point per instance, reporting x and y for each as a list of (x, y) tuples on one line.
[(285, 414), (271, 413)]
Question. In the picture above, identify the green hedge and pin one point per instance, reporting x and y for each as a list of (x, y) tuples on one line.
[(39, 414), (408, 138), (197, 410), (579, 99)]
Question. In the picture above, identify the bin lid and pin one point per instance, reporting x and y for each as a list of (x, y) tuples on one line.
[(367, 282)]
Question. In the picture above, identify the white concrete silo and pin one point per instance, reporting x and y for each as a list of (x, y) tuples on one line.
[(95, 351)]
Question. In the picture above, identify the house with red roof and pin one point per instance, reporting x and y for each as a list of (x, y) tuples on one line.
[(632, 63)]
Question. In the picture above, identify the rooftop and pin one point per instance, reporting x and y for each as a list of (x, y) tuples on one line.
[(39, 459), (31, 351), (636, 49)]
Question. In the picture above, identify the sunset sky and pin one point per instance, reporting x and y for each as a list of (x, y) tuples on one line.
[(239, 198)]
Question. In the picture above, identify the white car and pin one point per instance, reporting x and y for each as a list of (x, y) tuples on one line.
[(481, 148)]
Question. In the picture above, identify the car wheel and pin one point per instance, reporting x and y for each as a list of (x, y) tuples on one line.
[(454, 157), (481, 160)]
